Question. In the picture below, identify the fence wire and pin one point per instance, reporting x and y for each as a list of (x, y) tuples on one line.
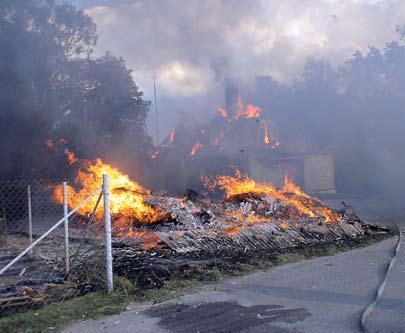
[(41, 278)]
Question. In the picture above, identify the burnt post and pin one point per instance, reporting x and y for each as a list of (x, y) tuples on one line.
[(107, 233)]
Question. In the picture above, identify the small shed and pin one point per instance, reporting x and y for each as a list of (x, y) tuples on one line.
[(319, 175)]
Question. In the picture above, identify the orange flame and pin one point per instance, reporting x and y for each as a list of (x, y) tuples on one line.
[(252, 111), (168, 142), (126, 199), (290, 187), (266, 137), (197, 146), (249, 112), (242, 184)]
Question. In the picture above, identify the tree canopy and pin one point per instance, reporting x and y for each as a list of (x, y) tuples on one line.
[(52, 87)]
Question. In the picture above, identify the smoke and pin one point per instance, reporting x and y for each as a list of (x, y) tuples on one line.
[(346, 100), (191, 46)]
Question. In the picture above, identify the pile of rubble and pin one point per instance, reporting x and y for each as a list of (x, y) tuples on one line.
[(247, 221), (224, 234)]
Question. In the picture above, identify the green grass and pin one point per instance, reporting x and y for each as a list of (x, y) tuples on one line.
[(289, 258), (52, 317)]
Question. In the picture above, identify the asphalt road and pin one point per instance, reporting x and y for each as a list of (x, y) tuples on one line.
[(324, 294)]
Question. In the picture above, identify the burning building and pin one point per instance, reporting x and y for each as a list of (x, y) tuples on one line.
[(240, 135)]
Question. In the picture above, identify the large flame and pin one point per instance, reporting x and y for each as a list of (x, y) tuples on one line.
[(290, 193), (126, 199)]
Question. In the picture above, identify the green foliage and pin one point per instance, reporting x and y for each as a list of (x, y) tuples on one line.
[(51, 87)]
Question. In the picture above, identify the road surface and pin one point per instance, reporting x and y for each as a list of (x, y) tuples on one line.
[(324, 294)]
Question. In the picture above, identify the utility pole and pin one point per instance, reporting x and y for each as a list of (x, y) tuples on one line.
[(156, 112)]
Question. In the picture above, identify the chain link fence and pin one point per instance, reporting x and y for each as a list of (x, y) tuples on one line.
[(14, 207), (41, 277)]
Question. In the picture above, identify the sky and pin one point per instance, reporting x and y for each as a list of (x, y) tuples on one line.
[(192, 45)]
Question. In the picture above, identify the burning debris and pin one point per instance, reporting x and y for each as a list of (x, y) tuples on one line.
[(150, 219)]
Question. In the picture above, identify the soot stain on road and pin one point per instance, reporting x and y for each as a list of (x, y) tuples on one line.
[(225, 317)]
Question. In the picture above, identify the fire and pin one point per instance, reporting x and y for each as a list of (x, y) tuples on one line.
[(197, 146), (243, 184), (249, 112), (222, 112), (127, 196), (266, 137), (234, 230), (168, 142), (290, 187), (219, 137), (252, 111), (51, 144), (171, 136)]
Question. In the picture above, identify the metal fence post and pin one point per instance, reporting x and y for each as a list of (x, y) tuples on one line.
[(66, 227), (29, 216), (107, 232)]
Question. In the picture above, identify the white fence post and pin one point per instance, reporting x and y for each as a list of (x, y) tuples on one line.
[(66, 227), (29, 216), (107, 232)]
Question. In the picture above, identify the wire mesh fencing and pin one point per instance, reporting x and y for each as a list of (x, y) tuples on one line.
[(30, 208), (14, 204)]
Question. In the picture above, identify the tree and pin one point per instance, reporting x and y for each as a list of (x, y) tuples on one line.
[(50, 86)]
